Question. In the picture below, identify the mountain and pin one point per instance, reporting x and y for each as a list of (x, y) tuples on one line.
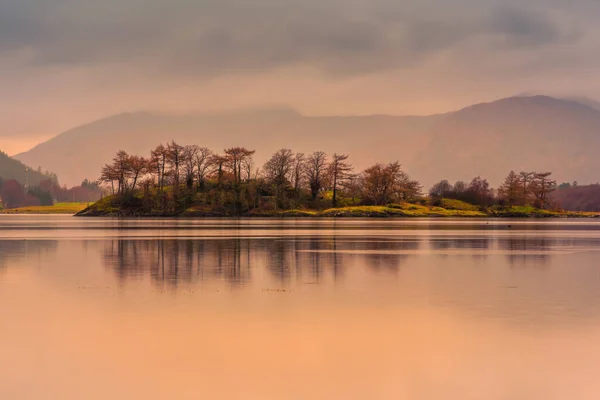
[(15, 169), (521, 133), (585, 100)]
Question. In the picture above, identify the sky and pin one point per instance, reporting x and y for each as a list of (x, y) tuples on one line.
[(67, 62)]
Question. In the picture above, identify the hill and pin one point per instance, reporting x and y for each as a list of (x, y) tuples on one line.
[(579, 198), (529, 133), (15, 169)]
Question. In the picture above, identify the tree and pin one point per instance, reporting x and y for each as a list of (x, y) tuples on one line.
[(383, 184), (174, 160), (340, 171), (158, 163), (479, 191), (278, 170), (459, 187), (316, 172), (189, 164), (117, 171), (511, 189), (235, 157), (203, 165), (298, 172), (542, 188), (217, 162), (13, 194), (440, 189), (526, 180), (136, 167)]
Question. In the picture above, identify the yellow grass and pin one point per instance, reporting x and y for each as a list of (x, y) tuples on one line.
[(57, 208)]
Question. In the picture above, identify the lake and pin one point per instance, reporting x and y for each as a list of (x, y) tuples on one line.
[(299, 309)]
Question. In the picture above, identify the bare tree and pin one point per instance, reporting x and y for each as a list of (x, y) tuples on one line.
[(480, 192), (189, 164), (542, 188), (158, 163), (440, 189), (235, 159), (316, 172), (278, 170), (526, 180), (137, 166), (340, 171), (298, 172), (217, 161), (383, 184), (175, 159), (248, 168), (126, 170), (203, 164)]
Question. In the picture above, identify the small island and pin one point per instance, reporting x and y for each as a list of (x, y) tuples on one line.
[(194, 181)]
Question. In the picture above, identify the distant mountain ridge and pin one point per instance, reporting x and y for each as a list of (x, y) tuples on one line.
[(487, 139), (14, 169)]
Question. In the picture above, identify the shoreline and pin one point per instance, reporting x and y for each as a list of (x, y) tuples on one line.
[(343, 214)]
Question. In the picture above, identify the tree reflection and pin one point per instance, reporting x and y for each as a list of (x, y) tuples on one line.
[(307, 260), (527, 251)]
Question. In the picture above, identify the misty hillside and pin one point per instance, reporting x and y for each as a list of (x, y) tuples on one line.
[(529, 133), (15, 169)]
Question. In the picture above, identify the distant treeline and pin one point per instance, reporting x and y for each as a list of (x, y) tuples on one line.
[(175, 177), (45, 193), (578, 197)]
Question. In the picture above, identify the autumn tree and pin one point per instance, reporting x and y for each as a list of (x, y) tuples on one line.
[(12, 194), (136, 167), (125, 170), (117, 171), (316, 172), (542, 187), (383, 184), (340, 171), (526, 181), (511, 189)]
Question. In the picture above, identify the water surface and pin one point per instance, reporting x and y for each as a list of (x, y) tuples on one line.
[(298, 309)]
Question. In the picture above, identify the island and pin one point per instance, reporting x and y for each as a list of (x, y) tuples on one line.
[(193, 181)]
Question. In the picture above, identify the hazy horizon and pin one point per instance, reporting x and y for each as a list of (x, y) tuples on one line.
[(68, 63)]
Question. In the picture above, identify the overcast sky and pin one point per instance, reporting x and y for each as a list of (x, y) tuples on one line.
[(67, 62)]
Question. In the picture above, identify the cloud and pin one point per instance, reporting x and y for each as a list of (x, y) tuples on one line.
[(66, 62), (212, 38)]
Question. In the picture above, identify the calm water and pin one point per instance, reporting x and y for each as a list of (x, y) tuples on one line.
[(352, 309)]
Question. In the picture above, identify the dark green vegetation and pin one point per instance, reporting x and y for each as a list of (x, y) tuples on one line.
[(25, 175), (193, 181)]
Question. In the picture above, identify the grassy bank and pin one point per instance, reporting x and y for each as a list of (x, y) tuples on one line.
[(57, 208), (109, 206)]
